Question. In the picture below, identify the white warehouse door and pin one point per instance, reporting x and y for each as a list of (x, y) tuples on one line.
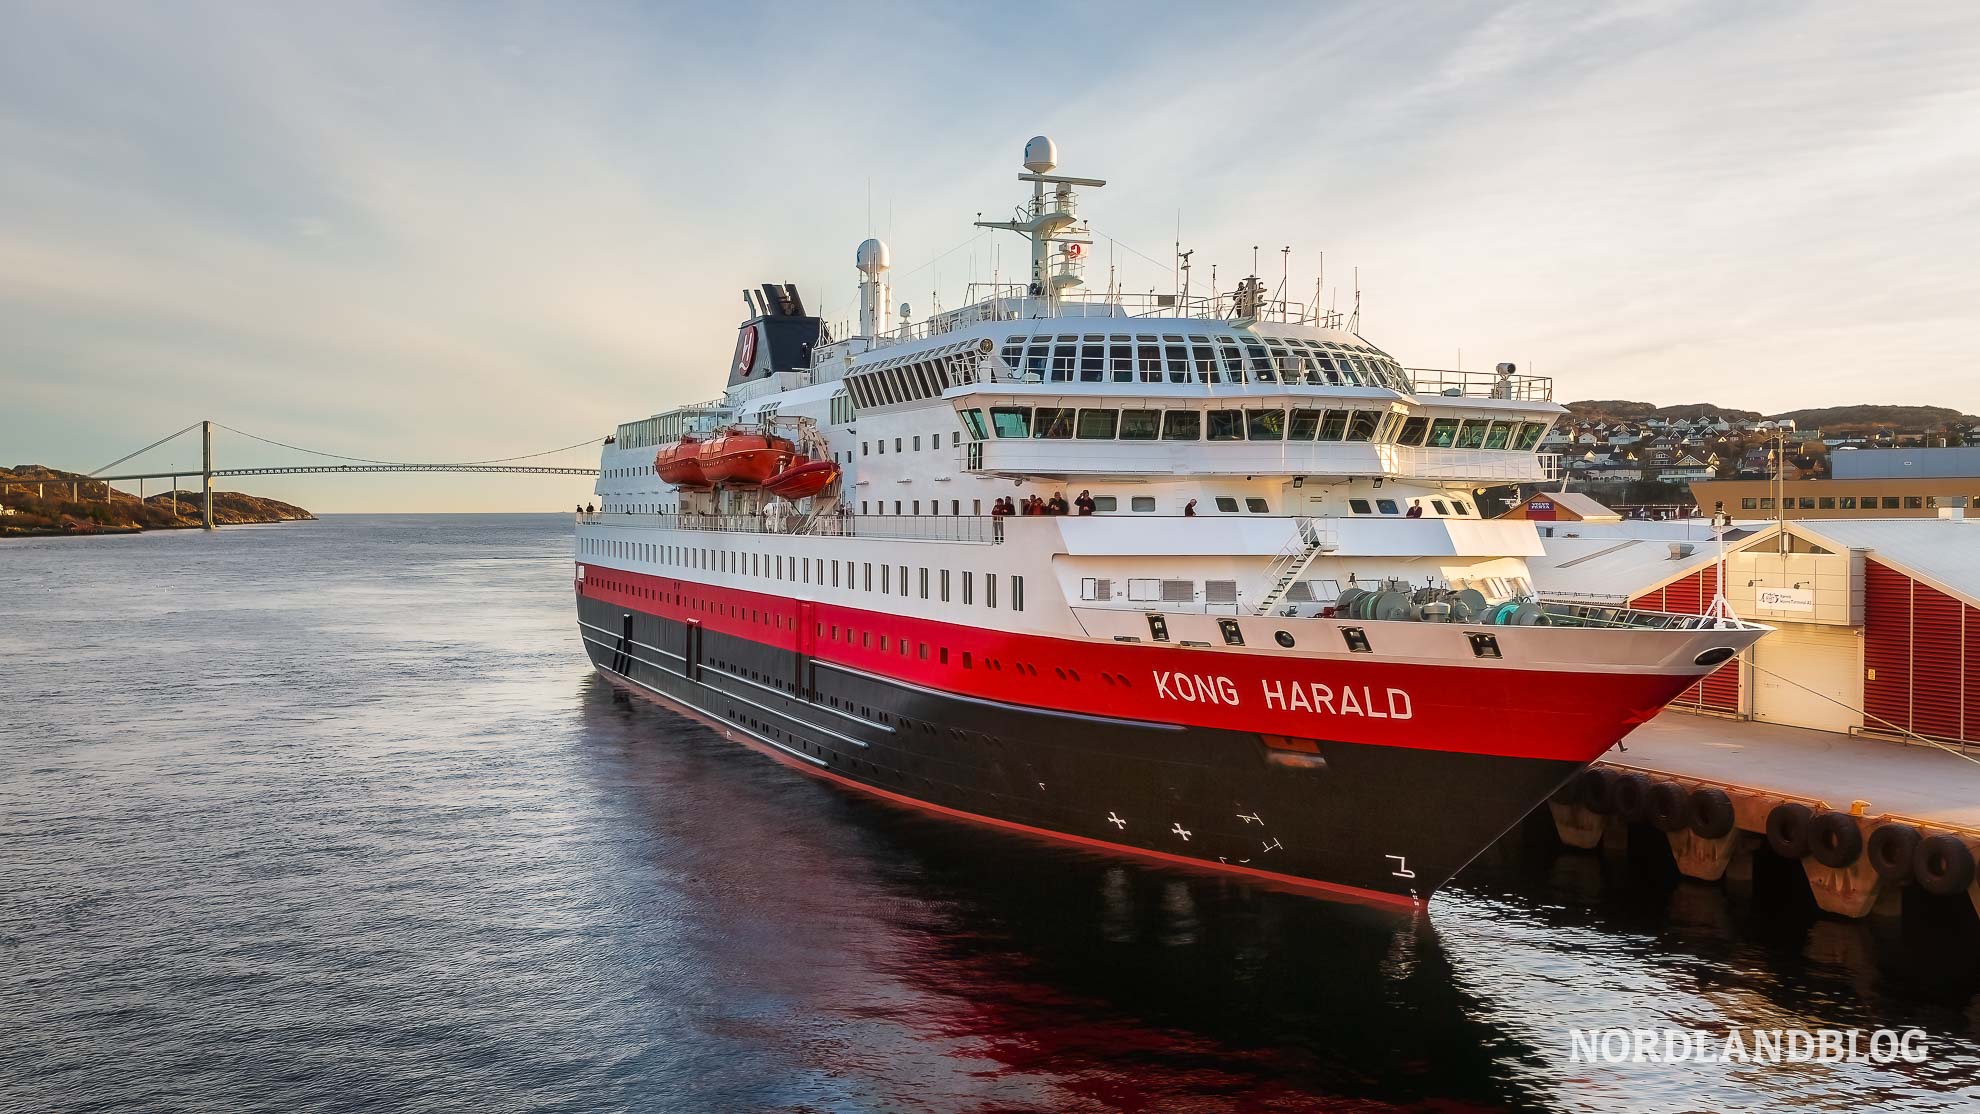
[(1809, 676)]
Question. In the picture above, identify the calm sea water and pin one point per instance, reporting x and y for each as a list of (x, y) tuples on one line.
[(335, 816)]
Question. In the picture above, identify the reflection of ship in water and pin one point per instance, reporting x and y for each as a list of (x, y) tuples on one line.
[(876, 940)]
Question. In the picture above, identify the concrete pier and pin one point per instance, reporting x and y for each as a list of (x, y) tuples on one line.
[(1722, 791), (1907, 779)]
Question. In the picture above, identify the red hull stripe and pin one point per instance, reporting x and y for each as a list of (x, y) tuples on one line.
[(1498, 711), (1332, 890)]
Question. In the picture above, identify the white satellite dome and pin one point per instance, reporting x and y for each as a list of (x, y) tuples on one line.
[(1041, 155), (873, 257)]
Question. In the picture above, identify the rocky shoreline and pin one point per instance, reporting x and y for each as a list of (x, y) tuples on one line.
[(41, 502)]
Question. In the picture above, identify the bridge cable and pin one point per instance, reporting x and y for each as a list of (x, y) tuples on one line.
[(146, 449), (403, 463)]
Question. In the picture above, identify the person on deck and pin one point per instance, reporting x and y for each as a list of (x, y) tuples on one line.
[(1189, 509), (1084, 503), (1058, 505), (1415, 509)]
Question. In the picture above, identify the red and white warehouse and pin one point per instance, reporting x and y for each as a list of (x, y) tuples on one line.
[(1878, 620)]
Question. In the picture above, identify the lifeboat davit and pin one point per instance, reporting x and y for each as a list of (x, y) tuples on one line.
[(803, 479), (680, 464), (744, 458)]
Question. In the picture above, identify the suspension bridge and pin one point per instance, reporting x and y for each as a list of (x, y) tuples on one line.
[(207, 473)]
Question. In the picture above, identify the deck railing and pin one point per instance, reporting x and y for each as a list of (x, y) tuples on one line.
[(975, 529), (1481, 384)]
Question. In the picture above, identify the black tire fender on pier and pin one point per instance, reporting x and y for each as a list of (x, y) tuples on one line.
[(1630, 796), (1597, 785), (1787, 830), (1666, 806), (1943, 864), (1710, 813), (1835, 839), (1891, 849)]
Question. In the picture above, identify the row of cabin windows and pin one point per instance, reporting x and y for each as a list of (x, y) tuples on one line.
[(934, 442), (1455, 508), (1174, 359), (847, 635), (1843, 502), (841, 409), (933, 584), (667, 428), (1269, 424)]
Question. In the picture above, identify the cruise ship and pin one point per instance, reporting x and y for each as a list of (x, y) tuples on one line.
[(1202, 578)]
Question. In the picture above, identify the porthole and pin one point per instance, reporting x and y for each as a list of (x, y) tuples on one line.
[(1283, 638), (1714, 656)]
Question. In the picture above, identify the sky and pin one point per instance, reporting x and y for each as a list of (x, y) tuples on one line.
[(444, 232)]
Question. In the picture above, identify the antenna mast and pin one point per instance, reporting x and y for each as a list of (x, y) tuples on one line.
[(1046, 220)]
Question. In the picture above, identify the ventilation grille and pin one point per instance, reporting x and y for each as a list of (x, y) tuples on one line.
[(1220, 591), (1178, 591)]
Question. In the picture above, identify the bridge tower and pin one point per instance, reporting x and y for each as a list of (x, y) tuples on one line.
[(206, 475)]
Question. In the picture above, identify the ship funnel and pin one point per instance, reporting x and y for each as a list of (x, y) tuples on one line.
[(873, 260)]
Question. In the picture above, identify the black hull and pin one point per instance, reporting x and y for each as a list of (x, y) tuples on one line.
[(1393, 822)]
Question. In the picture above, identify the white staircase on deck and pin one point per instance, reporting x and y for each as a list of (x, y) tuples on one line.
[(1310, 539)]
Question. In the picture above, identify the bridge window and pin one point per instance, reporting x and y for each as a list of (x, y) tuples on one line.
[(1142, 504), (1530, 434), (1205, 359), (1497, 436), (1140, 425), (1471, 434), (1462, 508), (1265, 425), (1120, 361), (973, 421), (1233, 360), (1226, 425), (1443, 433), (1093, 360), (1386, 506), (1105, 503), (1304, 424), (1148, 360), (1413, 430), (1037, 358), (1361, 427), (1064, 355), (1054, 422), (1226, 504), (1182, 425), (1440, 507), (1098, 425), (1011, 421), (1333, 427), (1177, 359), (1359, 506), (1256, 506), (1258, 362)]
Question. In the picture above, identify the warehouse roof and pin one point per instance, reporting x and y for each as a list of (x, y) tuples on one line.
[(1905, 464), (1623, 560), (1942, 552)]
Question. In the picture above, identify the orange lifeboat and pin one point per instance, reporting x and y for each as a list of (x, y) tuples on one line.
[(680, 464), (803, 479), (744, 458)]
